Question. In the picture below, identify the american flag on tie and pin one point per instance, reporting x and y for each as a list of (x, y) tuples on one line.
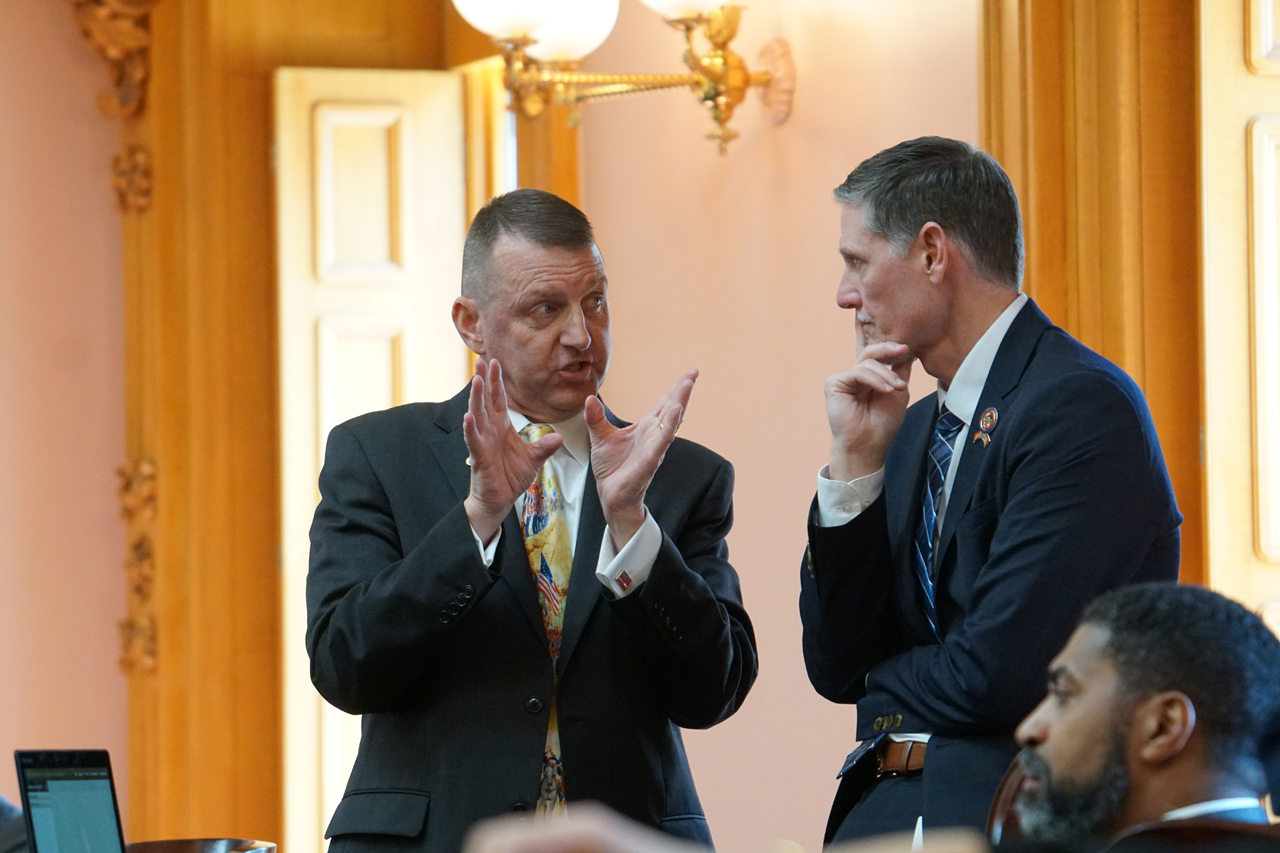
[(547, 587)]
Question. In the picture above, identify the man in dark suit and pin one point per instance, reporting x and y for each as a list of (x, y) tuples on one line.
[(953, 544), (438, 605), (1150, 736)]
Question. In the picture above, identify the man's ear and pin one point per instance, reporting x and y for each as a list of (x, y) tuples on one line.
[(1161, 725), (934, 250), (466, 319)]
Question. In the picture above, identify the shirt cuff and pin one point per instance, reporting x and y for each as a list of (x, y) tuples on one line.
[(623, 571), (487, 553), (840, 502)]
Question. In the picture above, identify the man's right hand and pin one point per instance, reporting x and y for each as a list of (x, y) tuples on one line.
[(503, 464), (865, 408)]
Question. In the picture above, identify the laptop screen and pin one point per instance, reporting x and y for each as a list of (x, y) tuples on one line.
[(69, 800)]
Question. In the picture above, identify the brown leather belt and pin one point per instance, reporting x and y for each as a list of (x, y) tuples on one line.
[(896, 757)]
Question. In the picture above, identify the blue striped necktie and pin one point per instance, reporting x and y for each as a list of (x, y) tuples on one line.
[(944, 436)]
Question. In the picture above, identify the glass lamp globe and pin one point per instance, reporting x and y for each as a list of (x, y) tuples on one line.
[(502, 19), (669, 9), (577, 28)]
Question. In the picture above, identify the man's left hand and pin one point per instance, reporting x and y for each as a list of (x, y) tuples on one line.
[(625, 460)]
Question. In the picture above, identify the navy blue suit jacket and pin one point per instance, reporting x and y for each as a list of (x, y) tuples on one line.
[(448, 661), (1070, 498)]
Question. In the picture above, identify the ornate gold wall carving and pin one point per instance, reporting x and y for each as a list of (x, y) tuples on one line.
[(131, 178), (138, 505), (120, 31)]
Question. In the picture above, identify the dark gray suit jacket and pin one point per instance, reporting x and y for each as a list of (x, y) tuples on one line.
[(1070, 498), (448, 662)]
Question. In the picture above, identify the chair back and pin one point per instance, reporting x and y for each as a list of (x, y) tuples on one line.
[(200, 845), (1002, 819)]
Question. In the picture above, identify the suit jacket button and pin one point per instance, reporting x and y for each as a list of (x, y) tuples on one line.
[(453, 609), (520, 807), (533, 704), (445, 617), (468, 591), (461, 599)]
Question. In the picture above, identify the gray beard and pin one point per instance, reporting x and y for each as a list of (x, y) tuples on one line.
[(1072, 816)]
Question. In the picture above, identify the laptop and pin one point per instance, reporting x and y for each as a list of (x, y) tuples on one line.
[(69, 801)]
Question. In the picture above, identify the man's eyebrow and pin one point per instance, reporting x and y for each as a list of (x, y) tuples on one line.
[(539, 293), (1059, 674)]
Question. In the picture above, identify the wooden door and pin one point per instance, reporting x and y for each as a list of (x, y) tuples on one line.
[(371, 212), (1239, 134)]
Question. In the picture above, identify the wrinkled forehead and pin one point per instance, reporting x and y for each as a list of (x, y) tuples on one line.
[(521, 265)]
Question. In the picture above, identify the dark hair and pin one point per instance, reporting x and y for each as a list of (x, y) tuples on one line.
[(535, 215), (1164, 636), (949, 182)]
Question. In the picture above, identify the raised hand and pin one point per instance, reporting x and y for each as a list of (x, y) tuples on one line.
[(502, 463), (865, 408), (624, 460)]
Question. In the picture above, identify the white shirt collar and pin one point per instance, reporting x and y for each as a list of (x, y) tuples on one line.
[(577, 438), (1210, 806), (966, 386)]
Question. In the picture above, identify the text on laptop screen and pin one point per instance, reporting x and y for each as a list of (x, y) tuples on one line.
[(72, 810)]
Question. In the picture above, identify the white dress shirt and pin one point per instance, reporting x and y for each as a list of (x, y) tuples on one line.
[(570, 464)]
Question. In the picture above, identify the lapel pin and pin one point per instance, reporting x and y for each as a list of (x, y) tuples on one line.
[(986, 424)]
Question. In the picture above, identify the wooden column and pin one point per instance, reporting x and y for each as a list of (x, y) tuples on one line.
[(547, 155), (1091, 107), (205, 687)]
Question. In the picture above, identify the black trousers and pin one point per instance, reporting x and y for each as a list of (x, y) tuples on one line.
[(891, 804)]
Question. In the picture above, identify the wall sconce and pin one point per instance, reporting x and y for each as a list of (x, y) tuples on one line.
[(543, 42)]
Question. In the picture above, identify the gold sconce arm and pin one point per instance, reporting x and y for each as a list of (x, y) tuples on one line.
[(719, 77)]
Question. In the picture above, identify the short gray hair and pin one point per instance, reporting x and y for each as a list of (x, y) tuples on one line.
[(535, 215), (932, 179)]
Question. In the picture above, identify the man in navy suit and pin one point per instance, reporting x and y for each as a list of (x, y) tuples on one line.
[(1150, 736), (425, 616), (954, 544)]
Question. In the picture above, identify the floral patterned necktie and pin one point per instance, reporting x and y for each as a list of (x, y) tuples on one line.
[(546, 541)]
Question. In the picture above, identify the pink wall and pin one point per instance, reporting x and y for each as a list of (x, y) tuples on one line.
[(729, 264), (724, 263), (62, 387)]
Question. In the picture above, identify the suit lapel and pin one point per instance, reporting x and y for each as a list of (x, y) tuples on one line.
[(584, 589), (1002, 380), (518, 576), (450, 449), (975, 450), (451, 452)]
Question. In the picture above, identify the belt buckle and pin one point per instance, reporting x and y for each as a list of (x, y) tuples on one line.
[(881, 749)]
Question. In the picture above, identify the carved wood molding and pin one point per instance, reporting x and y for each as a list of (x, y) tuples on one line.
[(131, 178), (120, 32), (138, 505)]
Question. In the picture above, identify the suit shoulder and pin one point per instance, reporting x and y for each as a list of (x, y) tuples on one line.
[(686, 452), (1062, 363), (398, 420)]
